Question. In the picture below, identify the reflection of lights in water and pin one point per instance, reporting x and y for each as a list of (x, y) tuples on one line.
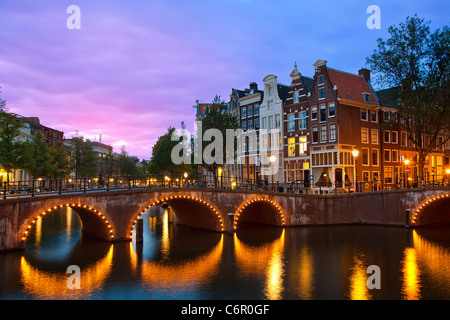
[(184, 274), (53, 285), (267, 260), (165, 242), (411, 275), (38, 231), (306, 274), (68, 222), (358, 279)]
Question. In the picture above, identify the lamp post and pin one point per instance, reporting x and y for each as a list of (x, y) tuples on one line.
[(355, 154), (272, 160), (406, 162), (447, 171)]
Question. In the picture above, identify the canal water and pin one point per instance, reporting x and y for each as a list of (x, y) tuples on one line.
[(257, 262)]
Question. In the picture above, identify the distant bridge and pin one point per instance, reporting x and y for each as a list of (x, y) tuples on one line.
[(113, 214)]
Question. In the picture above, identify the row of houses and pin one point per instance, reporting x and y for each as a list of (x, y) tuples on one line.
[(326, 132), (32, 125)]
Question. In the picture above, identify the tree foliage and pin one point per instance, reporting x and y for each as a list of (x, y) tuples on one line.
[(417, 61)]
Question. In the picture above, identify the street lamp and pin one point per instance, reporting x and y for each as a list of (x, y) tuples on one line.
[(406, 162), (355, 153), (447, 171), (272, 160)]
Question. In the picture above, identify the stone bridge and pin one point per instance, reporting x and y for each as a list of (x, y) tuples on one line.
[(112, 215)]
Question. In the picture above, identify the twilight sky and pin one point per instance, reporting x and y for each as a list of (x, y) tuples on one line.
[(136, 67)]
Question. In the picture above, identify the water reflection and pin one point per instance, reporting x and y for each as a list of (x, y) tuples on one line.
[(175, 262), (265, 259)]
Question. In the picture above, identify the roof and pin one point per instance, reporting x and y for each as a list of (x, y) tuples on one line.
[(351, 86), (389, 97), (307, 83), (283, 91)]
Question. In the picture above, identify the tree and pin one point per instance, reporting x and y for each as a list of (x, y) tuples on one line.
[(216, 117), (418, 62), (60, 161), (161, 161), (11, 148), (83, 160), (37, 160)]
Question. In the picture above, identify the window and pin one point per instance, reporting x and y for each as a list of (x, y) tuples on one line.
[(323, 113), (366, 97), (388, 174), (322, 93), (244, 125), (270, 105), (303, 145), (320, 80), (333, 132), (374, 136), (256, 123), (314, 113), (331, 110), (244, 112), (394, 136), (404, 137), (257, 110), (365, 156), (365, 175), (302, 120), (364, 135), (315, 134), (387, 155), (250, 112), (387, 136), (323, 134), (364, 114), (394, 156), (277, 121), (270, 122), (375, 157), (291, 122), (264, 123), (296, 96), (291, 147), (250, 124), (386, 116), (373, 116)]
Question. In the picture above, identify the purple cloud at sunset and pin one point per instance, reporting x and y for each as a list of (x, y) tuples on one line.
[(136, 67)]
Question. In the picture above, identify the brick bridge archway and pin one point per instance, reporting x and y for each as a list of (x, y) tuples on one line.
[(111, 214)]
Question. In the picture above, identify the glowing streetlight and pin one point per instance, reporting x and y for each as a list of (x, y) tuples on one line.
[(355, 153)]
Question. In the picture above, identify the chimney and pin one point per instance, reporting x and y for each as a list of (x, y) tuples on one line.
[(253, 86), (365, 73)]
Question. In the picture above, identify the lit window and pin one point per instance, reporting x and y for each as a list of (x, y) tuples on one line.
[(364, 135), (291, 147), (303, 145)]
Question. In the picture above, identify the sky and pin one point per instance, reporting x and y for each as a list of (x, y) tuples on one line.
[(136, 68)]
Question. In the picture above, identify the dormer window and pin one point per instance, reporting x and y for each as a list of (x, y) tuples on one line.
[(366, 97)]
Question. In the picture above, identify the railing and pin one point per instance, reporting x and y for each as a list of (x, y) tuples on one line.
[(82, 185)]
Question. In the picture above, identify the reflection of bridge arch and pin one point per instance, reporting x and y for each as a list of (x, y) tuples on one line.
[(53, 285), (434, 210), (94, 222), (261, 211), (264, 260), (184, 274), (206, 215)]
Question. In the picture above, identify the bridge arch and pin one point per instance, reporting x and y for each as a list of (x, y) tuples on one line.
[(206, 215), (260, 210), (94, 221), (432, 211)]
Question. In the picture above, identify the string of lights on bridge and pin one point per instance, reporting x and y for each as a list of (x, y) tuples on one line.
[(273, 203), (163, 200), (427, 203), (73, 205)]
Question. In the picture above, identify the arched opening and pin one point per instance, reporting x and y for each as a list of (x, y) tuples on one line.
[(260, 211), (187, 210), (93, 222), (434, 211)]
